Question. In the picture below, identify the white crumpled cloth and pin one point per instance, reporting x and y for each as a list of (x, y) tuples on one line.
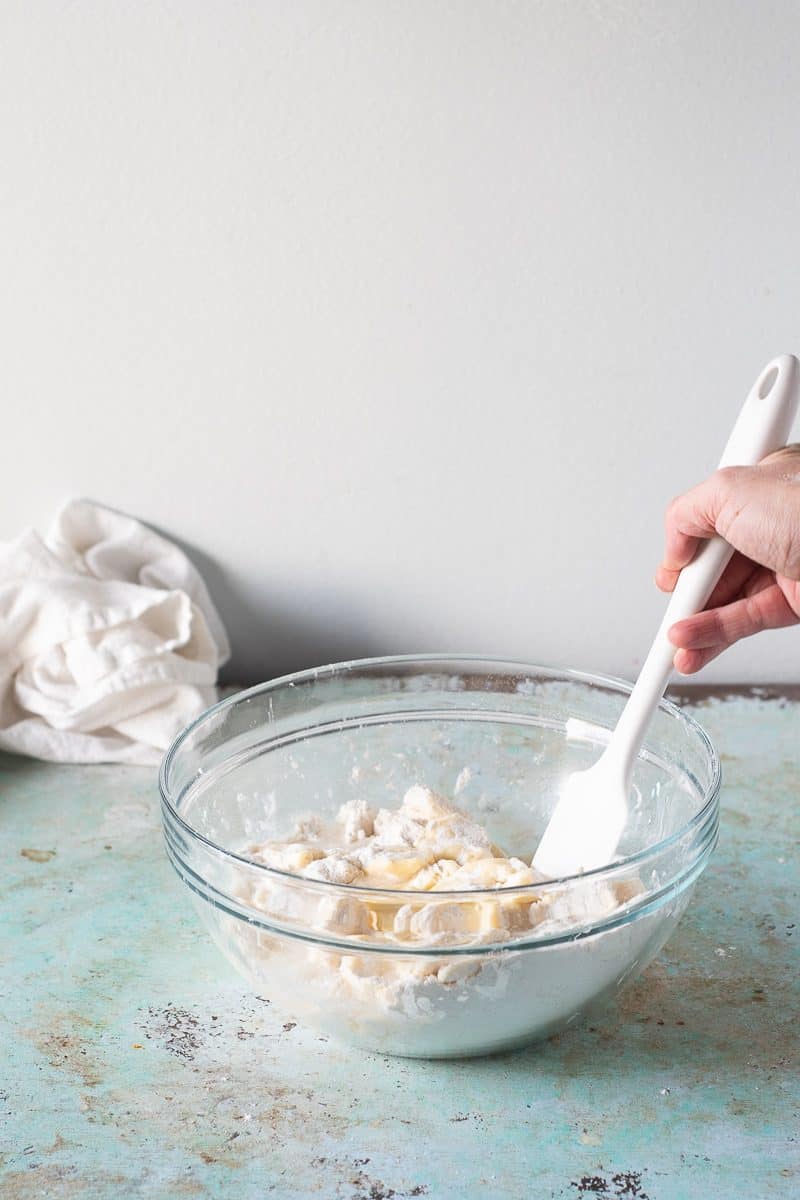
[(109, 641)]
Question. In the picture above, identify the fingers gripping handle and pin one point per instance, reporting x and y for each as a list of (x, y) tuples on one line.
[(763, 426)]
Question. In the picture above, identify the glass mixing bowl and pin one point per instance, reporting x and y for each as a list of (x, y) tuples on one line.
[(495, 738)]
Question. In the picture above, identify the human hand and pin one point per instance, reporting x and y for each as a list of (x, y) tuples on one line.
[(757, 510)]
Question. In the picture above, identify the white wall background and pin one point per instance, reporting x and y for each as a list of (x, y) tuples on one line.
[(408, 317)]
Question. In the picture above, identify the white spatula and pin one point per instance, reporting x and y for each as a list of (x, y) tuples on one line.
[(592, 808)]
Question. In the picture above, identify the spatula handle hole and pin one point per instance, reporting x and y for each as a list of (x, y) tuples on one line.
[(767, 383)]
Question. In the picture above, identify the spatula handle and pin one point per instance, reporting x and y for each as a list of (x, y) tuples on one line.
[(763, 426)]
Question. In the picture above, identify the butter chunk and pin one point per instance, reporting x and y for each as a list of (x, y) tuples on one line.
[(421, 804), (345, 915), (357, 820), (481, 873), (436, 875), (286, 856), (582, 904), (458, 969), (457, 837), (307, 829), (397, 828), (333, 868), (394, 865), (518, 914), (456, 917)]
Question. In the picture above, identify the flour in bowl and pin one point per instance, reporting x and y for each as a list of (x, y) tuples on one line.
[(381, 858), (426, 845)]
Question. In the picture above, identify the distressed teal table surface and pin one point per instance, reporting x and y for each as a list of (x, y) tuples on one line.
[(134, 1065)]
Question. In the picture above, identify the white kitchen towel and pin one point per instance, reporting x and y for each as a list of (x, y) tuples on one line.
[(109, 641)]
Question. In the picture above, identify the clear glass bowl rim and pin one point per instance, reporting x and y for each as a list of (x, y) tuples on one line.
[(509, 666)]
